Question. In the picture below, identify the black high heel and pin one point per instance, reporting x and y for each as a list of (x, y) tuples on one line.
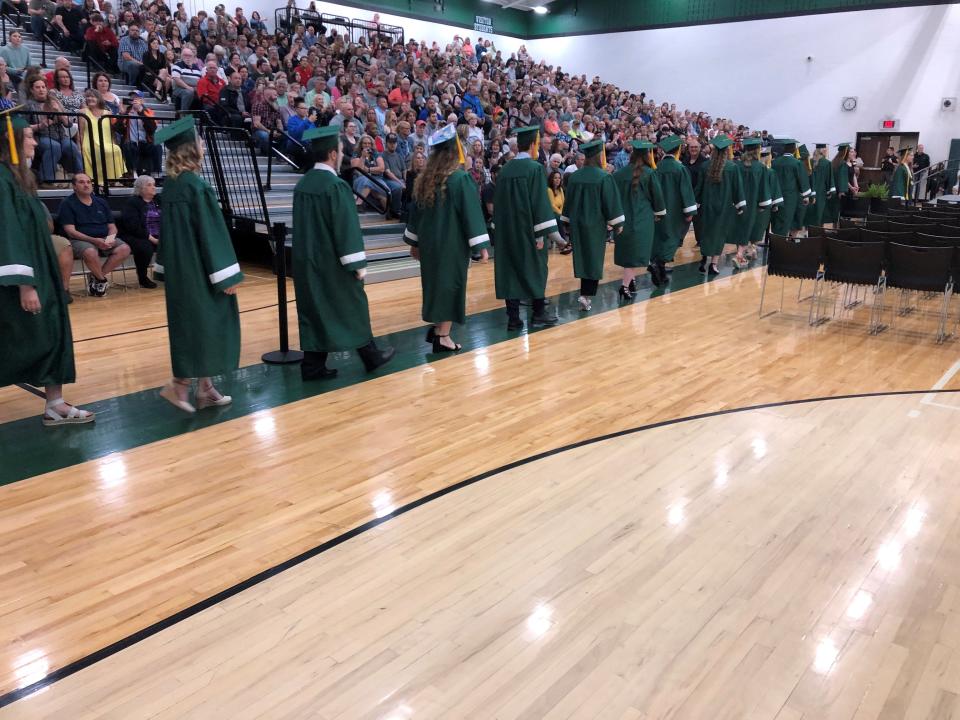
[(440, 348), (431, 334), (625, 293)]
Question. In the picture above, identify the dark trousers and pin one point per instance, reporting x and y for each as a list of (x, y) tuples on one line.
[(107, 59), (513, 308), (142, 251), (144, 158), (588, 288)]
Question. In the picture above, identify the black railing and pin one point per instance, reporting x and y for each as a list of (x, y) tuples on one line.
[(287, 18), (380, 184), (231, 159), (60, 141)]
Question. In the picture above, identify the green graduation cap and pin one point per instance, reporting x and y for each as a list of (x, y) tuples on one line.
[(804, 153), (593, 148), (323, 139), (670, 143), (821, 146), (843, 146), (751, 142), (787, 143), (526, 135), (177, 133), (642, 145), (721, 142), (903, 151)]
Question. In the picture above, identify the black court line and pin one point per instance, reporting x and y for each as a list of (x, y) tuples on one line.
[(188, 612), (32, 390)]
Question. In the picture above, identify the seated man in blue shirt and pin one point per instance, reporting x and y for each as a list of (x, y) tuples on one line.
[(471, 101), (88, 223)]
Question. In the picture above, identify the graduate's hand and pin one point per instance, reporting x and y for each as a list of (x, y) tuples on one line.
[(232, 290), (415, 252), (806, 201), (688, 218), (361, 273), (539, 243), (484, 255), (29, 300)]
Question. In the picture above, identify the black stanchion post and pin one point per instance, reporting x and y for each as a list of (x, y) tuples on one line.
[(283, 356)]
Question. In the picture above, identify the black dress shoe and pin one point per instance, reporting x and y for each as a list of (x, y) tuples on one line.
[(545, 320), (632, 287), (374, 357), (148, 284), (702, 267), (439, 347), (431, 333), (317, 374), (625, 293), (514, 324), (713, 269)]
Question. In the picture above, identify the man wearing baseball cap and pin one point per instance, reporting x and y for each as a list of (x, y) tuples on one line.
[(394, 172)]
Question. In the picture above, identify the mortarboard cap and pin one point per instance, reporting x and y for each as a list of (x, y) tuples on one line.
[(526, 135), (821, 146), (443, 135), (903, 151), (843, 146), (787, 142), (751, 142), (177, 133), (670, 143), (642, 145), (592, 148), (721, 142), (323, 139), (804, 153)]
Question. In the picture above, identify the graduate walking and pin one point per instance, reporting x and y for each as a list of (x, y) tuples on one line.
[(822, 187), (681, 206), (523, 219), (841, 181), (329, 264), (34, 324), (720, 193), (201, 275), (643, 206), (763, 223), (901, 187), (446, 226), (794, 186), (592, 209), (753, 222)]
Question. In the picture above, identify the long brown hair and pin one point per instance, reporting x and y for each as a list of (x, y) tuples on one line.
[(750, 156), (717, 162), (840, 157), (21, 172), (640, 159), (431, 184)]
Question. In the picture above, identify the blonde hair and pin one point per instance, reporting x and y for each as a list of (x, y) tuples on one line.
[(184, 158)]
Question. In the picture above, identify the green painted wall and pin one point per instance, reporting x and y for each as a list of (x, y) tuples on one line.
[(460, 13), (573, 17)]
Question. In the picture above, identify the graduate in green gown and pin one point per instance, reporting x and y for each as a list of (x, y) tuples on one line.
[(681, 205), (901, 187), (803, 211), (201, 275), (752, 223), (841, 181), (34, 324), (821, 183), (794, 187), (592, 208), (329, 264), (643, 206), (720, 194), (763, 223), (522, 219), (446, 226)]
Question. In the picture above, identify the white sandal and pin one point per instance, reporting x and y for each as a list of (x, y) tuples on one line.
[(74, 416), (169, 393), (204, 399)]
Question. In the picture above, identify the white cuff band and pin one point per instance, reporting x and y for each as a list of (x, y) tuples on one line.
[(24, 270), (353, 257), (224, 274), (478, 240)]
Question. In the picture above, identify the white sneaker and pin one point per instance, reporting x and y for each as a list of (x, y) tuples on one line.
[(584, 302), (102, 287)]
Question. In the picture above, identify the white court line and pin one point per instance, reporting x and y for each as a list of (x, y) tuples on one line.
[(928, 399)]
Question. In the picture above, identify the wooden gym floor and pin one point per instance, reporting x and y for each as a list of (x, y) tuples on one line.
[(789, 561)]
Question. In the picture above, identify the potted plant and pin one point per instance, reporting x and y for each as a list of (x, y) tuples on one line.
[(878, 194)]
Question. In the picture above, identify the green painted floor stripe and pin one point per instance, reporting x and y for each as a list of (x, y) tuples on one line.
[(140, 418)]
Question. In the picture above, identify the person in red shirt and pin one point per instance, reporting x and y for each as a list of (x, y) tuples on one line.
[(100, 42), (304, 71), (400, 95), (210, 85), (61, 63)]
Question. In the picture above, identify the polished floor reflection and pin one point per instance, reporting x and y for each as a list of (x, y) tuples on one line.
[(797, 561)]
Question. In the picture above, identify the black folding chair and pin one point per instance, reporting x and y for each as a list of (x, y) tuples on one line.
[(922, 269), (875, 225), (847, 234), (793, 258), (854, 207), (855, 265), (886, 236), (815, 231), (948, 230)]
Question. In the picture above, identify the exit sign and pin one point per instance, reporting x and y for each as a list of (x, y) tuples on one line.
[(889, 124)]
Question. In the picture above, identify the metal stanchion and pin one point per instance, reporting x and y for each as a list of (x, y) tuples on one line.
[(283, 356)]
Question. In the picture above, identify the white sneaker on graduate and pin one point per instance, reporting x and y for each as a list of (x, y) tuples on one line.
[(584, 303)]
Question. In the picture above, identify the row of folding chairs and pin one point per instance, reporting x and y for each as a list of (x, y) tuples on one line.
[(928, 226), (863, 264)]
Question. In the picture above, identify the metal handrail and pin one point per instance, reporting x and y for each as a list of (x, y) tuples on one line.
[(376, 181)]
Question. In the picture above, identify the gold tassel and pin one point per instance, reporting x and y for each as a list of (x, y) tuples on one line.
[(796, 152), (463, 160), (653, 159), (14, 156), (603, 156)]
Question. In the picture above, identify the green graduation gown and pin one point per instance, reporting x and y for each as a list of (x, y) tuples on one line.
[(641, 204), (522, 214), (446, 235), (794, 186), (37, 349), (841, 178), (762, 220), (591, 204), (680, 202), (332, 308), (198, 264), (719, 204), (821, 183), (900, 185), (756, 213)]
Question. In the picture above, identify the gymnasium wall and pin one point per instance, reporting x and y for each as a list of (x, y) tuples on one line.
[(898, 62)]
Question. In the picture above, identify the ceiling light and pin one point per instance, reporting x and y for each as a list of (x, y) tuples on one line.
[(540, 10)]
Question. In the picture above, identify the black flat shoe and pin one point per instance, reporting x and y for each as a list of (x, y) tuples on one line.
[(372, 359), (713, 269), (431, 333), (625, 293), (321, 374), (438, 347), (702, 267), (148, 284), (545, 320), (514, 325)]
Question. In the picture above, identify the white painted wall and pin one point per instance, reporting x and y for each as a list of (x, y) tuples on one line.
[(418, 29), (899, 63)]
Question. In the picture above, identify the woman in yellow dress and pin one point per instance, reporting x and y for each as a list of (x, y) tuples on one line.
[(100, 149)]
